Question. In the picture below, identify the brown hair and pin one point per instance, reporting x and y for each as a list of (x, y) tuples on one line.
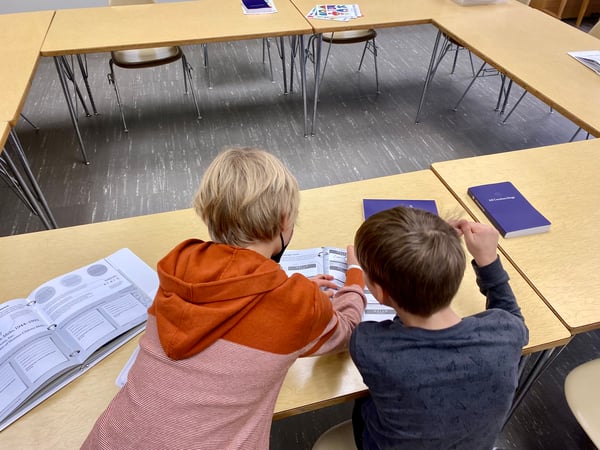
[(415, 256), (244, 195)]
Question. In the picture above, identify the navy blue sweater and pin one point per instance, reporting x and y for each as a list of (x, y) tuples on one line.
[(443, 389)]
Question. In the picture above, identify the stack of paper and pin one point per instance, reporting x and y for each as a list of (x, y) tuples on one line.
[(335, 12), (590, 59)]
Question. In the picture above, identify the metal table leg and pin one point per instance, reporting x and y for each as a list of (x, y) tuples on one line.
[(84, 73), (60, 63), (303, 83), (542, 361), (34, 184), (281, 49), (430, 73), (13, 177), (317, 63)]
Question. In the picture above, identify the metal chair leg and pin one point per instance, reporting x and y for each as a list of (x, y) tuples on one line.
[(371, 45), (112, 80)]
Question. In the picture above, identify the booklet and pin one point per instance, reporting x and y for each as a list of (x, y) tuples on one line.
[(342, 12), (590, 59), (375, 205), (331, 260), (258, 7), (508, 210), (67, 325)]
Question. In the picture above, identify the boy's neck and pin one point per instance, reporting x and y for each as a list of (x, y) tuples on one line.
[(440, 320)]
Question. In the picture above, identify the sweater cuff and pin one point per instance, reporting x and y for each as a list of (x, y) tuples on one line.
[(354, 275)]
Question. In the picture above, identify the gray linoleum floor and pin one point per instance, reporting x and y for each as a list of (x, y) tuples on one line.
[(158, 164)]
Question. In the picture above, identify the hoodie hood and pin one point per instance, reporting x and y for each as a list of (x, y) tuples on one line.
[(205, 289)]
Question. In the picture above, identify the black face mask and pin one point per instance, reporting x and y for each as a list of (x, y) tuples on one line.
[(277, 256)]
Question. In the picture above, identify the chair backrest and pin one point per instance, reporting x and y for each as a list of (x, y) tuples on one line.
[(595, 31), (128, 2)]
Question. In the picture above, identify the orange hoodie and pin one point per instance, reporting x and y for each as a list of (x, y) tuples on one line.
[(212, 291)]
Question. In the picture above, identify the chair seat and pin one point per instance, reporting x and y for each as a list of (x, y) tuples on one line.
[(583, 396), (338, 437), (349, 37), (145, 57)]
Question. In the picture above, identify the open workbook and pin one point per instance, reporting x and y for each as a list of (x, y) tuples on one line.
[(330, 260), (67, 325)]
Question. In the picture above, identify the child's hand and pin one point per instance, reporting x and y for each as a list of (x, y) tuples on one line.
[(325, 283), (481, 240), (351, 256)]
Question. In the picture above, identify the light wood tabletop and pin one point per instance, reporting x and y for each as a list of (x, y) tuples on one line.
[(563, 183), (4, 130), (531, 48), (328, 216), (162, 24), (21, 36), (392, 13)]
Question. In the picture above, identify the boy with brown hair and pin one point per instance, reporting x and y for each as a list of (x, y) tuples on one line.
[(227, 322), (436, 381)]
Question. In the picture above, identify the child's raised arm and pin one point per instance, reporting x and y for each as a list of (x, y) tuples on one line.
[(481, 240)]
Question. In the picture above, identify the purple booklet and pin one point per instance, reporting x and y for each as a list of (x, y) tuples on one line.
[(508, 210), (374, 205), (253, 4)]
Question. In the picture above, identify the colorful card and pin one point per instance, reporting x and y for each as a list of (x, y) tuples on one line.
[(341, 12)]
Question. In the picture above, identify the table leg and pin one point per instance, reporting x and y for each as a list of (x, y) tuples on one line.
[(430, 73), (20, 186), (317, 63), (27, 168), (70, 75), (59, 63), (84, 74), (281, 49), (542, 361), (303, 83)]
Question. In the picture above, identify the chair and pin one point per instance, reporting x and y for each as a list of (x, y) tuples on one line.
[(338, 437), (583, 397), (348, 37), (147, 57)]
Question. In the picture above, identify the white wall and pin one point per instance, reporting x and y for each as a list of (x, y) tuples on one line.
[(14, 6)]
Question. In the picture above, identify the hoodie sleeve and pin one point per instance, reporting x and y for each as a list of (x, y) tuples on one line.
[(348, 306)]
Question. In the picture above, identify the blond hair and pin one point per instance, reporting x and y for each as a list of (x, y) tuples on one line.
[(244, 196), (415, 256)]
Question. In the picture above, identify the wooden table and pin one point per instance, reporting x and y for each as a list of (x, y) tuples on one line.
[(389, 13), (91, 30), (531, 47), (21, 36), (563, 182), (64, 420)]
